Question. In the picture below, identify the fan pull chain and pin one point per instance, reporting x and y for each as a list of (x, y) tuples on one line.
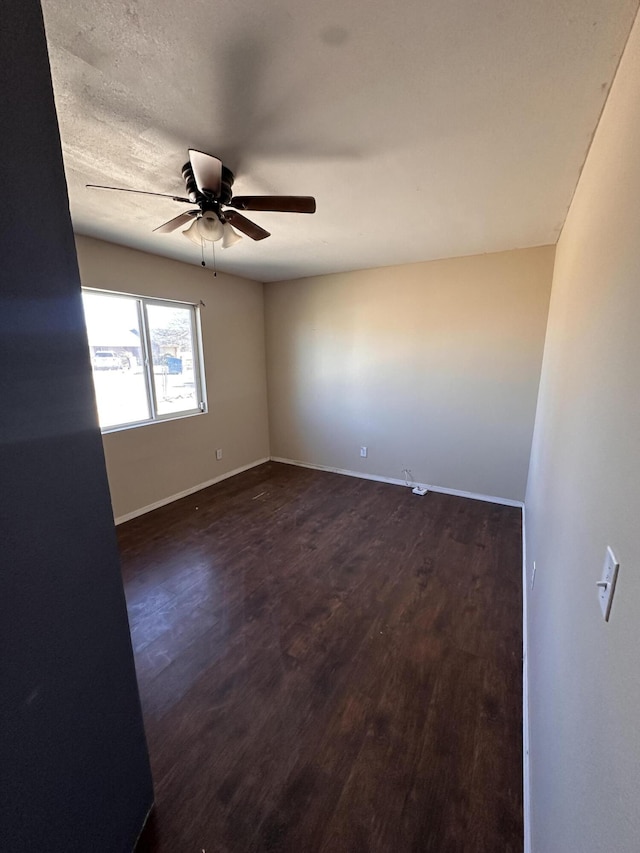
[(213, 248), (202, 247)]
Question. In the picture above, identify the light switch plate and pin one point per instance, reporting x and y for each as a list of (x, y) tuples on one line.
[(607, 584)]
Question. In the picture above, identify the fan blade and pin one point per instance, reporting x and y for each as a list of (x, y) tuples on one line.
[(176, 222), (207, 170), (278, 203), (139, 192), (245, 225)]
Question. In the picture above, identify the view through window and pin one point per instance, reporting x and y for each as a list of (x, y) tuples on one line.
[(144, 355)]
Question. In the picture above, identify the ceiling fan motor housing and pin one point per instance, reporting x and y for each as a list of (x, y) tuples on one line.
[(197, 197)]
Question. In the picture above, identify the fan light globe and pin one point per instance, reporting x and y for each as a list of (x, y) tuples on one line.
[(192, 234), (205, 227), (209, 226), (230, 237)]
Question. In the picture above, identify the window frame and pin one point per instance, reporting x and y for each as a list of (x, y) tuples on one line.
[(147, 358)]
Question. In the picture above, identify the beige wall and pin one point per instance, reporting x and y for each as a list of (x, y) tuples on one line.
[(433, 366), (583, 495), (150, 463)]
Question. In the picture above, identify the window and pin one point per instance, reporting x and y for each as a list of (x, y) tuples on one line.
[(145, 355)]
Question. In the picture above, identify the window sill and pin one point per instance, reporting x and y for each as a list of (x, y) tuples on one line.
[(179, 416)]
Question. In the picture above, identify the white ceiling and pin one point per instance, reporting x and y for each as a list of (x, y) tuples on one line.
[(424, 128)]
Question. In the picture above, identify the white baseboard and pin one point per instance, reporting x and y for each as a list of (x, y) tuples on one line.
[(164, 501), (379, 479), (526, 778)]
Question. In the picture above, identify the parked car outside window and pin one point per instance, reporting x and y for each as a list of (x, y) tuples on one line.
[(106, 360)]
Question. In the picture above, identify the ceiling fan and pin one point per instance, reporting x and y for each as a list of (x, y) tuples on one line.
[(208, 184)]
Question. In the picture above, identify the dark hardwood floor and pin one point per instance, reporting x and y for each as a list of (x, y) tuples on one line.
[(329, 664)]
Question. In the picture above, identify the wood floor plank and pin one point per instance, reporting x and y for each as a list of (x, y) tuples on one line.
[(328, 664)]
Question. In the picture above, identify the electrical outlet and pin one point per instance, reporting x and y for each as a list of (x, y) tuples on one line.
[(364, 452), (219, 454), (533, 574)]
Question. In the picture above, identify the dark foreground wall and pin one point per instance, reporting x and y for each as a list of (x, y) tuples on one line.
[(74, 770)]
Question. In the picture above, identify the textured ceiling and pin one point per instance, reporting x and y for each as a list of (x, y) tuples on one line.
[(424, 128)]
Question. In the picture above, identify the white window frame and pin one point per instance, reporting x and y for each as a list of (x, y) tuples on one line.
[(146, 351)]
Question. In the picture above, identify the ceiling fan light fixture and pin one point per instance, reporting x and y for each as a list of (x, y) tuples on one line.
[(209, 226), (206, 227), (192, 233), (229, 237)]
